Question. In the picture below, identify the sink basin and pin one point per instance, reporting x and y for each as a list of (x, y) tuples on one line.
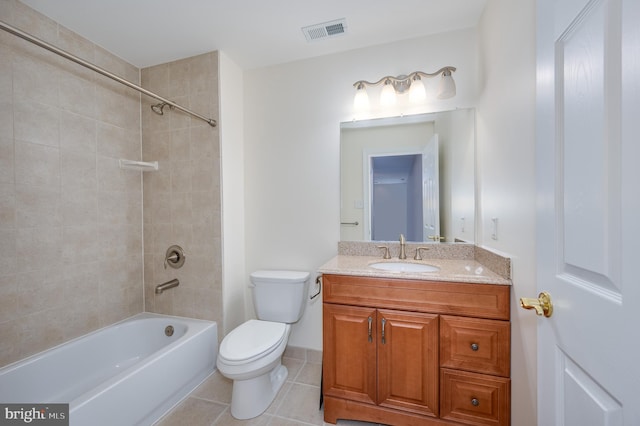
[(403, 267)]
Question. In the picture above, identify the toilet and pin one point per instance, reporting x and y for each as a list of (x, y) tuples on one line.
[(251, 354)]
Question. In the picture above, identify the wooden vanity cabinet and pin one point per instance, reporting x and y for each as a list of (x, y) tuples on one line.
[(406, 352), (382, 357)]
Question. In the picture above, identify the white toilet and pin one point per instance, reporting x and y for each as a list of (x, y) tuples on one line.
[(251, 354)]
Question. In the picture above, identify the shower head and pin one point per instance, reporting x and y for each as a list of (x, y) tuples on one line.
[(159, 108)]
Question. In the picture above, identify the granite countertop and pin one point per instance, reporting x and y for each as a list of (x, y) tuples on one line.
[(455, 270)]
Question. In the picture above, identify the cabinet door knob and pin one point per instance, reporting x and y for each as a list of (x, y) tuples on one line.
[(474, 347), (370, 321), (475, 402), (384, 321)]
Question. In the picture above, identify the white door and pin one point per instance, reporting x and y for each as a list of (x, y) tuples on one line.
[(588, 237), (431, 190)]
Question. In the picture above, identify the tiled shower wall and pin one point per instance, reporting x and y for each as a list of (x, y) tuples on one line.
[(70, 219), (182, 199)]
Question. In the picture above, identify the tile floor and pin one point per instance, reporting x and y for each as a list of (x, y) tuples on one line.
[(296, 403)]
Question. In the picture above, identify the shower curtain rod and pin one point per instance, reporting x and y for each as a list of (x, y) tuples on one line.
[(69, 56)]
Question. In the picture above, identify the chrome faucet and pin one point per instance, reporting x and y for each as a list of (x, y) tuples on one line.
[(403, 254), (166, 286)]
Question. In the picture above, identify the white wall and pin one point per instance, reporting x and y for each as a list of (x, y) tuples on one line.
[(232, 181), (506, 158), (292, 114)]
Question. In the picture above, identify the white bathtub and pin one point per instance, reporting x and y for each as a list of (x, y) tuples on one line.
[(129, 373)]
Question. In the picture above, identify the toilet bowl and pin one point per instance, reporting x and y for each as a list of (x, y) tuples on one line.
[(251, 354)]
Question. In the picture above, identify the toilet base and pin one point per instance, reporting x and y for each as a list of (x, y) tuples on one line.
[(252, 397)]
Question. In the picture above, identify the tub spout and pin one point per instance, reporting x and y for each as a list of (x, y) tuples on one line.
[(166, 286)]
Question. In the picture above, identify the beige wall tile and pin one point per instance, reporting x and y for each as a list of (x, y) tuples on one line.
[(37, 206), (36, 122), (185, 201), (37, 164), (6, 118), (66, 209), (35, 80), (6, 160), (77, 133), (79, 207), (72, 220), (78, 171), (78, 95)]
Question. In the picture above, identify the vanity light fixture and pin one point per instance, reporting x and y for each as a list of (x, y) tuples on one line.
[(393, 86)]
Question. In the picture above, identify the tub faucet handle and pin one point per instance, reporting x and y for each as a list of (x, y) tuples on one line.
[(174, 257)]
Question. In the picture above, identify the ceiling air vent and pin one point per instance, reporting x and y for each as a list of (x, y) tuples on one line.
[(325, 30)]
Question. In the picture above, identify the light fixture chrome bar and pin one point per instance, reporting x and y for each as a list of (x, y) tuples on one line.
[(28, 37), (404, 78)]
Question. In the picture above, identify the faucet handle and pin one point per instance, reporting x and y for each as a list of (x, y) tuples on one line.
[(417, 256), (386, 254)]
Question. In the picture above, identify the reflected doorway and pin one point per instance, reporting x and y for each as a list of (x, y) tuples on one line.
[(404, 194), (396, 182)]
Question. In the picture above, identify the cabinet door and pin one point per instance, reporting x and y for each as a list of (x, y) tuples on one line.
[(408, 361), (349, 364)]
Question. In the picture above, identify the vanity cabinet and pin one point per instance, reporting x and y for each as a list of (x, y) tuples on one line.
[(382, 357), (409, 352)]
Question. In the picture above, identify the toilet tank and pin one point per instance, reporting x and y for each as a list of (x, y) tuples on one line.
[(280, 296)]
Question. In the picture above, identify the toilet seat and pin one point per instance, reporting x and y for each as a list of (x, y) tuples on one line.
[(252, 340)]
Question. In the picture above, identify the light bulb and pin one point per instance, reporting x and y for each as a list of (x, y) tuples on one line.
[(447, 87), (417, 93), (388, 95), (361, 100)]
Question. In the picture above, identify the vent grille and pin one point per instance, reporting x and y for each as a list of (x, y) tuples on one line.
[(325, 30)]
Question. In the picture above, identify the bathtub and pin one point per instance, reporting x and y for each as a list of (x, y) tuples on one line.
[(130, 373)]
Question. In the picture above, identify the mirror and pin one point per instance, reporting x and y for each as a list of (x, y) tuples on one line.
[(413, 175)]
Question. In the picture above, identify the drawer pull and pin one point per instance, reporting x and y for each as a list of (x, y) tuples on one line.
[(475, 402), (370, 320), (474, 347)]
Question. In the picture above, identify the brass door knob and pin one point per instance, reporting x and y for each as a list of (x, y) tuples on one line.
[(542, 304)]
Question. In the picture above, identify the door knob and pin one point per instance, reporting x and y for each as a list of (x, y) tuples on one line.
[(542, 304)]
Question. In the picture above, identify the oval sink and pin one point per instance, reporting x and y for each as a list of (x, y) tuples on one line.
[(403, 267)]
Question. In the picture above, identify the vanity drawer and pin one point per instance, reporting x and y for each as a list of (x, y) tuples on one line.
[(449, 298), (474, 399), (475, 344)]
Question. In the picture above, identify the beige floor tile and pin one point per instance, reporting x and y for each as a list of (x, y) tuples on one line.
[(352, 423), (310, 374), (295, 405), (226, 419), (295, 352), (216, 388), (293, 367), (301, 404), (279, 421), (281, 398), (193, 412)]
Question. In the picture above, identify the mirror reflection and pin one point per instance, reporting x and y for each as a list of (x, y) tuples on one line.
[(413, 175)]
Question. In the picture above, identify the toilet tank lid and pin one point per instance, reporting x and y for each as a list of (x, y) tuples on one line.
[(279, 276)]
